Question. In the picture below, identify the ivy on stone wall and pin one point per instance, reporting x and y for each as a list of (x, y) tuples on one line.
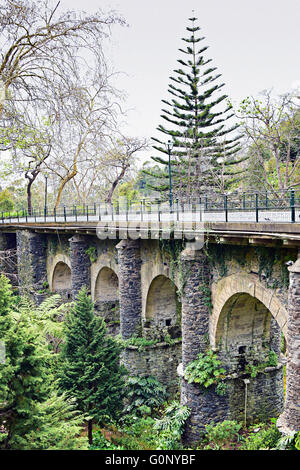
[(216, 254), (173, 249), (91, 251), (206, 371)]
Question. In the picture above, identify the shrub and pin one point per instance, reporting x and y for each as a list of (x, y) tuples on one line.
[(145, 395), (100, 443), (206, 371), (220, 434), (171, 426), (263, 436)]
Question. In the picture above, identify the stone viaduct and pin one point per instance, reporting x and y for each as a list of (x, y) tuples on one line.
[(239, 295)]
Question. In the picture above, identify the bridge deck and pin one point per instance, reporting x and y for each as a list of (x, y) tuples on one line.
[(261, 233)]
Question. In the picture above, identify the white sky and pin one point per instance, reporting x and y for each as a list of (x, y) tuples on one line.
[(254, 44)]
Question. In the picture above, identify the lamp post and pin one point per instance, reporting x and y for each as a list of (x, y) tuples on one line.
[(169, 146), (46, 187)]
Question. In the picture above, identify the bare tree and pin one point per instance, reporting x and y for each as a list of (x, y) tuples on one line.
[(37, 43), (118, 160), (85, 117), (272, 127), (47, 59)]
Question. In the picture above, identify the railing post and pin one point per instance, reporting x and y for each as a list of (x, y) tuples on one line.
[(244, 202), (200, 206), (54, 212), (177, 205), (256, 207), (292, 204), (65, 214), (158, 208)]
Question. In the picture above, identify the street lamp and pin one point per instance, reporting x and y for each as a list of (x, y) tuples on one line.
[(169, 145), (46, 184)]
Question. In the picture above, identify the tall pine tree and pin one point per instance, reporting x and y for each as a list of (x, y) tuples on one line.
[(204, 156), (90, 370)]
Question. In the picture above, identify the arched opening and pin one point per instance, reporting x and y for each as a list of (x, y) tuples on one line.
[(107, 285), (246, 329), (107, 298), (61, 281), (248, 343), (163, 309)]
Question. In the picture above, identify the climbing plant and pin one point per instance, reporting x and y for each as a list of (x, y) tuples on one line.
[(206, 371)]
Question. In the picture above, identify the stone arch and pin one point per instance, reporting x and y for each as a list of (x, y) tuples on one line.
[(105, 260), (241, 284), (61, 281), (106, 298), (107, 285), (51, 266), (162, 306)]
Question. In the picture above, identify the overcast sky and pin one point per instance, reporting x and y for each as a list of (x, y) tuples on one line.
[(254, 44)]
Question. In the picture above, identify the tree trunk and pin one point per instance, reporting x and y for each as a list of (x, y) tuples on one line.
[(90, 431), (29, 195), (62, 185), (114, 185)]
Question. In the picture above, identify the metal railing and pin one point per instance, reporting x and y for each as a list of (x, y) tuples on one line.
[(267, 206)]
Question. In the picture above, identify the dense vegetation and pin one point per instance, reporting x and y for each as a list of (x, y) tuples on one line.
[(77, 398), (61, 382)]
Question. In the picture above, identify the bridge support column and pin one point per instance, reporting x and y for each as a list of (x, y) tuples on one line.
[(129, 259), (31, 260), (8, 256), (290, 419), (80, 264), (195, 340)]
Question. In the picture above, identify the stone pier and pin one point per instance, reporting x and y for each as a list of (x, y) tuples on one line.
[(32, 260), (130, 293), (80, 263), (290, 419), (195, 338)]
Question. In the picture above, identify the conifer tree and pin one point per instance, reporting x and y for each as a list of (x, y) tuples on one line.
[(90, 370), (29, 403), (203, 152)]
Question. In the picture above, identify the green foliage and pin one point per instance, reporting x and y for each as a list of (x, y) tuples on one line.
[(290, 442), (137, 434), (89, 363), (6, 201), (92, 253), (206, 296), (205, 370), (145, 395), (262, 436), (203, 154), (222, 433), (59, 425), (139, 341), (31, 413), (253, 370), (100, 443), (297, 441), (171, 426)]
